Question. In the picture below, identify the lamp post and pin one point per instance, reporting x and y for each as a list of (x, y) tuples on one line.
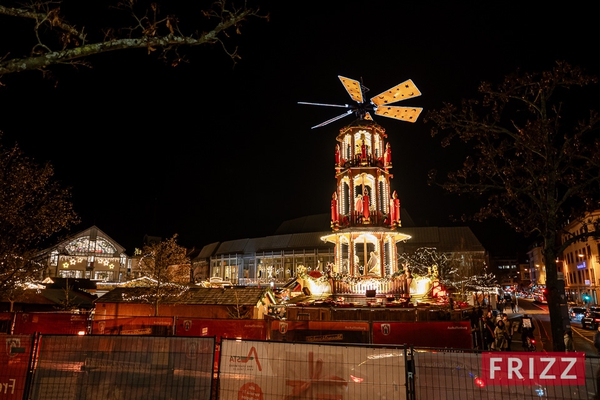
[(585, 296)]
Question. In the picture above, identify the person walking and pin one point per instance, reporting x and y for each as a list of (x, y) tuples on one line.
[(527, 328), (510, 330), (488, 327), (569, 345), (500, 336)]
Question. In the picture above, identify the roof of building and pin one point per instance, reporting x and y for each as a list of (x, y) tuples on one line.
[(92, 232), (208, 250), (238, 296), (76, 298), (55, 282), (454, 238), (306, 233), (55, 297)]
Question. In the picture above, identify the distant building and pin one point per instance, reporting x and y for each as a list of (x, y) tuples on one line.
[(581, 264), (275, 259), (89, 254), (537, 266), (506, 270)]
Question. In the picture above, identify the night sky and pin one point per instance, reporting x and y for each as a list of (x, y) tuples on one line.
[(215, 152)]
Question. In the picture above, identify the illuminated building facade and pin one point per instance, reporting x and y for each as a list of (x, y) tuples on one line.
[(89, 254), (581, 264)]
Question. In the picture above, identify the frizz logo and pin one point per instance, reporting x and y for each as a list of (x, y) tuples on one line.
[(252, 356), (526, 369)]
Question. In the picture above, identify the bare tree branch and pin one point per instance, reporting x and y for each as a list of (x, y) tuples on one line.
[(60, 42), (534, 160)]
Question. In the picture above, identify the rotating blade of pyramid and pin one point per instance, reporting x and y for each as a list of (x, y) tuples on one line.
[(353, 88), (403, 91), (325, 105), (333, 119), (408, 114)]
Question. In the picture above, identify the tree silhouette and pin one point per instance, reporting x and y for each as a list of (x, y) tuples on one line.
[(33, 207), (167, 265), (70, 34), (534, 161)]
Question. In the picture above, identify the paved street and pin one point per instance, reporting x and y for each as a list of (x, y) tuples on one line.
[(583, 338)]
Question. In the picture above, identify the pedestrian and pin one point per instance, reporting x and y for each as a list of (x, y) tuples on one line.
[(527, 328), (597, 346), (500, 306), (513, 306), (488, 333), (569, 345), (474, 319), (597, 340), (508, 325), (500, 336)]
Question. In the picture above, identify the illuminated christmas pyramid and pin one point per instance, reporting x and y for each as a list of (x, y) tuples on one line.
[(365, 211)]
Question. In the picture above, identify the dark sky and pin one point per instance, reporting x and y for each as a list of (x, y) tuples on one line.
[(213, 152)]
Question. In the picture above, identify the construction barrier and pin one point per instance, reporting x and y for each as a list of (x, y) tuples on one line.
[(70, 367), (15, 358), (122, 367)]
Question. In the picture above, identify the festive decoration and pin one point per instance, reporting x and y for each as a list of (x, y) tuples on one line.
[(364, 215)]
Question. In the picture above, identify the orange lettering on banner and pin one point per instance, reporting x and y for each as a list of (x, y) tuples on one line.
[(315, 369), (250, 391)]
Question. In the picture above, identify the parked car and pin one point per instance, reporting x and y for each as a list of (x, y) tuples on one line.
[(576, 313), (590, 320)]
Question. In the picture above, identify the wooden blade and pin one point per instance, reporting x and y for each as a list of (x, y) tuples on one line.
[(368, 117), (403, 91), (408, 114), (353, 88)]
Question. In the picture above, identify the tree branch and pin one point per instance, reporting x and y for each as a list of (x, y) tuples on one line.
[(152, 33)]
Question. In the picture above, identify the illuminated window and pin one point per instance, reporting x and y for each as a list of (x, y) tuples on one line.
[(84, 246)]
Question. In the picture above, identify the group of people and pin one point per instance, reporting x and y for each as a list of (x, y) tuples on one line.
[(506, 303), (498, 331)]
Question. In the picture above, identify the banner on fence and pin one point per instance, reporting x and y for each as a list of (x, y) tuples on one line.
[(559, 369), (222, 328), (424, 334), (14, 364), (51, 323), (162, 326), (320, 331), (273, 370)]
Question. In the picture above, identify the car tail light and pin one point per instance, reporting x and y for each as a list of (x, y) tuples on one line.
[(356, 379)]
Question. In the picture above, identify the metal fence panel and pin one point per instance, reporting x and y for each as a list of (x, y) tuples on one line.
[(275, 370), (123, 367), (15, 356), (440, 374)]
